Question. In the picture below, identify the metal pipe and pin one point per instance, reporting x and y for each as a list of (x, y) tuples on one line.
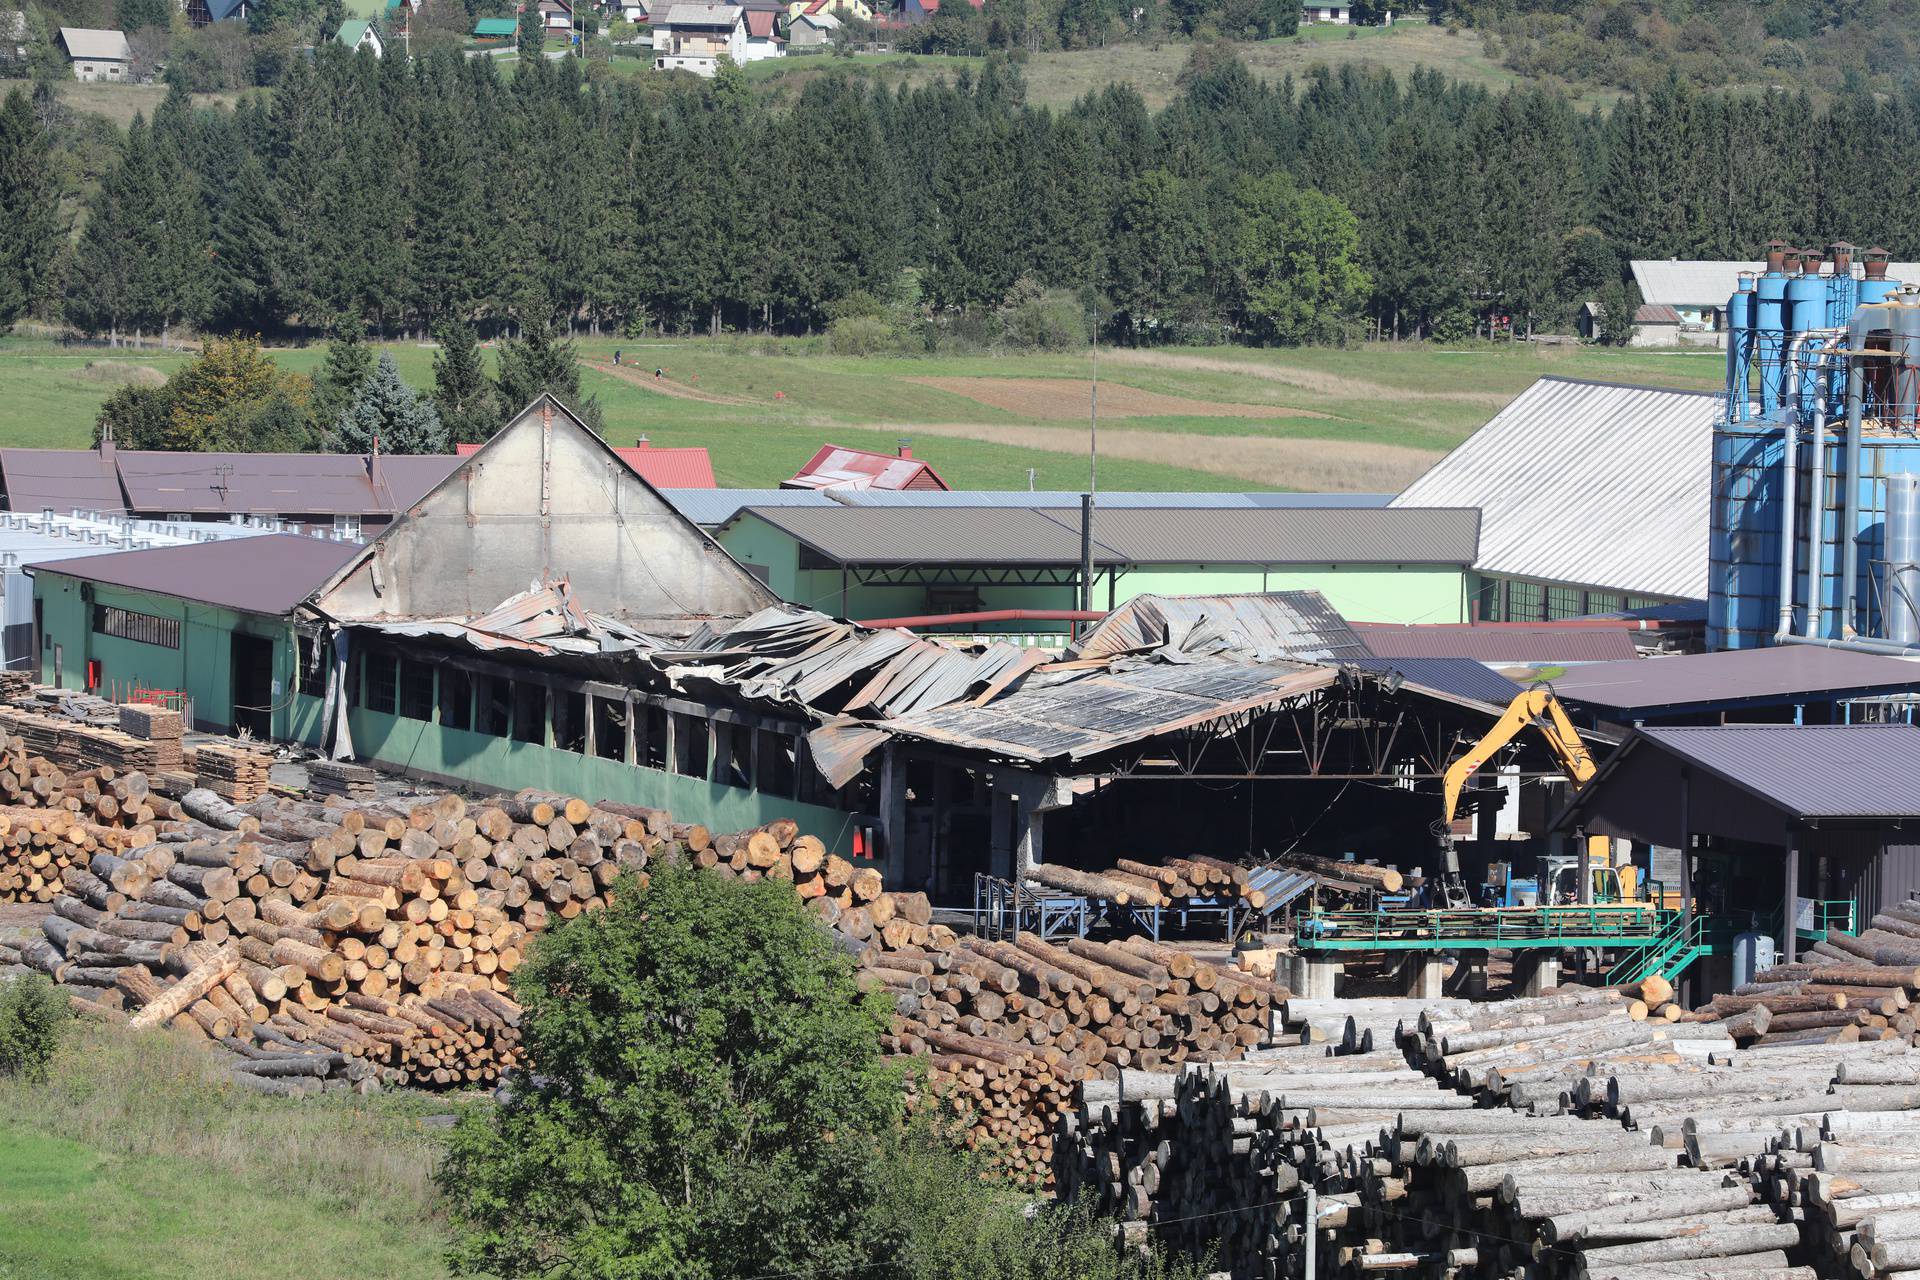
[(1857, 330), (1817, 499), (984, 615), (1789, 505), (1886, 647)]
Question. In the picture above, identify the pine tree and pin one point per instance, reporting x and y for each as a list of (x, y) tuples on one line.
[(461, 390), (246, 244), (29, 210), (532, 37), (119, 278), (535, 363), (344, 375), (391, 412)]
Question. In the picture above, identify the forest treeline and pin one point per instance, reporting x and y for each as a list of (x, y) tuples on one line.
[(406, 195)]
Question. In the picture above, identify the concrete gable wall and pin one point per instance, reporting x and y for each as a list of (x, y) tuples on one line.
[(545, 498)]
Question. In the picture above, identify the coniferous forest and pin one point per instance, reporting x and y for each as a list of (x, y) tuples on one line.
[(405, 196)]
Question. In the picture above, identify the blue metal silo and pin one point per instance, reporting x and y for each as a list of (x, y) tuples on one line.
[(1769, 326), (1740, 348)]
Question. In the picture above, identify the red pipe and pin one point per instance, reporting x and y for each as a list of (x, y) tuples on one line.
[(1563, 624), (987, 615)]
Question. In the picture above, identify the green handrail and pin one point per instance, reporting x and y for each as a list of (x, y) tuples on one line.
[(1682, 936)]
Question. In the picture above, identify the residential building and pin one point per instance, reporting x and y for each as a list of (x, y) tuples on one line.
[(837, 467), (344, 493), (812, 28), (357, 34), (1336, 12), (694, 37), (1593, 498), (857, 8), (492, 30), (1655, 324), (763, 29), (914, 12), (1698, 289), (97, 55), (556, 19), (1017, 570), (200, 13)]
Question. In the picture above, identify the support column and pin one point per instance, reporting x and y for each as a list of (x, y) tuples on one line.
[(1322, 977), (1425, 975), (1789, 908), (1584, 896), (1029, 830), (1542, 973)]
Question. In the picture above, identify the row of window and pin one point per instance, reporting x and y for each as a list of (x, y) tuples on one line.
[(146, 628), (390, 682), (1514, 600)]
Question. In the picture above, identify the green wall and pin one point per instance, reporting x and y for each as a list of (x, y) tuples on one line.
[(1363, 593), (202, 667)]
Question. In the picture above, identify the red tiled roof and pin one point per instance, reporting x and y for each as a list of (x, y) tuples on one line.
[(759, 23), (835, 467), (677, 468)]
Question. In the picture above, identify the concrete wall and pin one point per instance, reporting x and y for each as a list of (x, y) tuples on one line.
[(1366, 593)]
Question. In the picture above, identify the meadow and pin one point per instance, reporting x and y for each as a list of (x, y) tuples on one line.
[(1365, 419)]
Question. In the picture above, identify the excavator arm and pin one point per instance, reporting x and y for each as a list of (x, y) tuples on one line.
[(1539, 708)]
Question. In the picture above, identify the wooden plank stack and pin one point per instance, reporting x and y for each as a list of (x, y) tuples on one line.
[(340, 778), (231, 770)]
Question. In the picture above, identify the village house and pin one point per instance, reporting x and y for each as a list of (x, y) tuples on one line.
[(97, 55), (358, 34), (694, 37)]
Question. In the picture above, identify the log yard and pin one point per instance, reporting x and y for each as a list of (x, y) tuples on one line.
[(1276, 930)]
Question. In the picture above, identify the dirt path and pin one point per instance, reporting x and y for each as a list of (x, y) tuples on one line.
[(663, 386), (1068, 399), (1328, 466), (1326, 384)]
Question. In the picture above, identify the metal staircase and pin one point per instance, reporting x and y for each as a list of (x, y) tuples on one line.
[(1681, 940)]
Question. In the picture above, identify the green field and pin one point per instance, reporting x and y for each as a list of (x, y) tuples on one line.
[(1364, 419), (136, 1163)]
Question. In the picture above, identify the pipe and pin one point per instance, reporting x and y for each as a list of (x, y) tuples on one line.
[(1886, 647), (1817, 491), (1857, 330), (985, 615), (1789, 498)]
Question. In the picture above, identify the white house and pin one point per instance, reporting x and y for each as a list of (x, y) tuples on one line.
[(763, 30), (357, 34), (1338, 12), (694, 37), (97, 55)]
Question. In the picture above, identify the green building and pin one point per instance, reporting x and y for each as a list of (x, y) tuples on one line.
[(1372, 564)]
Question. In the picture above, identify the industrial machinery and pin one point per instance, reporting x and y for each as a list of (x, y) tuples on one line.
[(1536, 707), (1815, 535)]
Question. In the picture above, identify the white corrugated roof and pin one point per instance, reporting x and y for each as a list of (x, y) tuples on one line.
[(1684, 282), (1588, 483), (88, 42)]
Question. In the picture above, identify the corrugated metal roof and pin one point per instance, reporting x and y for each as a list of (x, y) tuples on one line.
[(1782, 673), (1704, 282), (715, 507), (836, 466), (1274, 624), (896, 535), (288, 483), (91, 42), (266, 575), (60, 480), (1810, 771), (1588, 483), (1504, 644), (1462, 677)]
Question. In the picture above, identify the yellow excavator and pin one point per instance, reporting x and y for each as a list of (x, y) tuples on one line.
[(1560, 880)]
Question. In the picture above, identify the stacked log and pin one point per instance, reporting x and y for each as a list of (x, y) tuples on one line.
[(52, 820), (231, 770), (1012, 1027)]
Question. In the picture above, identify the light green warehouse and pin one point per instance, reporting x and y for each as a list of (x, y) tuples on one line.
[(1373, 564)]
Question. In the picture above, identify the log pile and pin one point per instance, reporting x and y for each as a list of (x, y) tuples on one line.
[(1558, 1136), (1174, 883), (51, 821), (1846, 989), (1013, 1027)]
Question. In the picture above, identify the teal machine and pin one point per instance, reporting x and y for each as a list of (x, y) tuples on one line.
[(1816, 460)]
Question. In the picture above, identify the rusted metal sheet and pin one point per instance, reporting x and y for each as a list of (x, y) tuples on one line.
[(1258, 626)]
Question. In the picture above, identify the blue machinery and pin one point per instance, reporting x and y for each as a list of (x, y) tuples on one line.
[(1816, 460)]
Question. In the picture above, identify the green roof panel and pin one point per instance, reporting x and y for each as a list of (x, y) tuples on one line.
[(495, 27)]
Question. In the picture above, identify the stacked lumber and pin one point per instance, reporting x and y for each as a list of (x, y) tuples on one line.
[(1013, 1027), (231, 770), (339, 778)]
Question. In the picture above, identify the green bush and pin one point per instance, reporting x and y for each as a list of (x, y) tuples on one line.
[(1038, 319), (864, 335), (33, 1017)]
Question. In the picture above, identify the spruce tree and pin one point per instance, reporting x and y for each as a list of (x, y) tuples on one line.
[(532, 38), (537, 362), (344, 375), (246, 244), (29, 210), (390, 411), (461, 390)]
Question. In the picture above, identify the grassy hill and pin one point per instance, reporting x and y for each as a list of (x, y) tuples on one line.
[(1365, 419)]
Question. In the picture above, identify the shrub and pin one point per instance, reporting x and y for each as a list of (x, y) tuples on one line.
[(1036, 319), (863, 335), (33, 1016)]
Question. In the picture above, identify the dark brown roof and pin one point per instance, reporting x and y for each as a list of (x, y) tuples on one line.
[(63, 480), (1858, 771), (225, 484), (269, 574), (1780, 674), (1499, 643)]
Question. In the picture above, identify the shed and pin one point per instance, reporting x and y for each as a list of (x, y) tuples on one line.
[(1593, 498), (495, 29), (1803, 682), (1811, 823)]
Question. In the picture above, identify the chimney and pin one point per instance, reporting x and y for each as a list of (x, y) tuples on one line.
[(1842, 257), (1874, 264), (905, 444), (642, 443), (1776, 256)]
